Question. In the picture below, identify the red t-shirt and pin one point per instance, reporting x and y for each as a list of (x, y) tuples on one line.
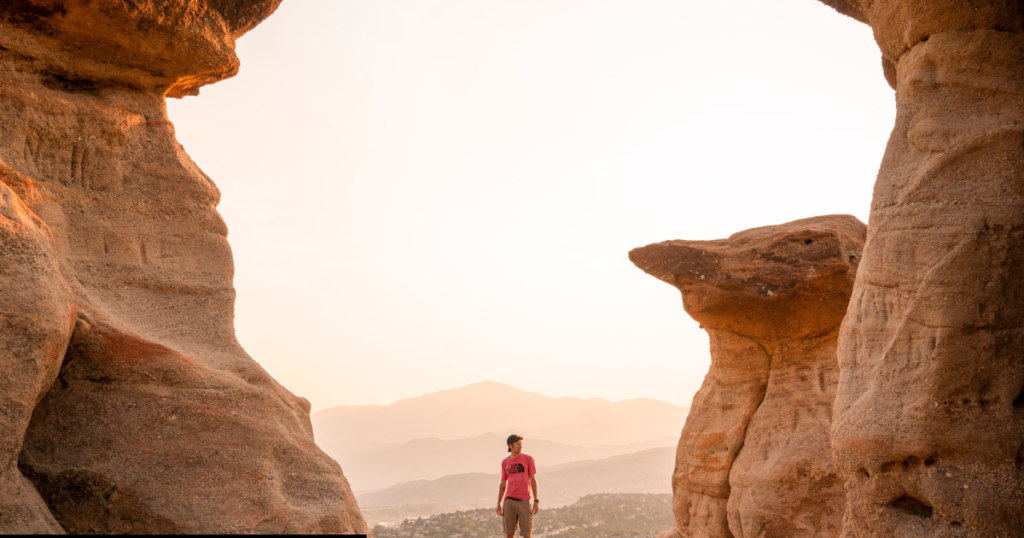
[(518, 472)]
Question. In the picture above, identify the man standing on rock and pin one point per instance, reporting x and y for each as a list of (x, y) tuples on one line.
[(519, 473)]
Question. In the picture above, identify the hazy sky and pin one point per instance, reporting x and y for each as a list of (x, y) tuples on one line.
[(426, 194)]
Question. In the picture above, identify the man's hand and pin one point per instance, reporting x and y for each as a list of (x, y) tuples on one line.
[(499, 508), (533, 484)]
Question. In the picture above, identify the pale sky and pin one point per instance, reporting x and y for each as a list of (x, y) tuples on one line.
[(427, 194)]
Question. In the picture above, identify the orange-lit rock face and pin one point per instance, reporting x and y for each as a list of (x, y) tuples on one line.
[(754, 457), (900, 25), (929, 425), (37, 315), (158, 421), (167, 46)]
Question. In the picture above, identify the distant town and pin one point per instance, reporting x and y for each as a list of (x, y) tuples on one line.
[(612, 515)]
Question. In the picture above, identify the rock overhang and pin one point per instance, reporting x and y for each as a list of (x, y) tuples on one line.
[(168, 46), (765, 282)]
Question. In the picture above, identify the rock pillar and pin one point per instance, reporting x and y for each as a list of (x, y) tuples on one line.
[(929, 415), (148, 416), (754, 457)]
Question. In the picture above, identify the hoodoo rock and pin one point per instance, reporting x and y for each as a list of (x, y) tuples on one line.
[(929, 415), (754, 457), (127, 403)]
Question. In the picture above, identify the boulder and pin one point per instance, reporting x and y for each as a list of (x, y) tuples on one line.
[(158, 420), (929, 413), (754, 457)]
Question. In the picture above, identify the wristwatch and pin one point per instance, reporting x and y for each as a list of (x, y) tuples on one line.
[(536, 500)]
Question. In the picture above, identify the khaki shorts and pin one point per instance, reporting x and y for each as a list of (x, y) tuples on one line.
[(515, 511)]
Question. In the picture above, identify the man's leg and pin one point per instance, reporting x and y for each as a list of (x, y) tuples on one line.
[(509, 516), (526, 519)]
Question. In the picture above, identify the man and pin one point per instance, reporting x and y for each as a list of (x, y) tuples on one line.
[(517, 471)]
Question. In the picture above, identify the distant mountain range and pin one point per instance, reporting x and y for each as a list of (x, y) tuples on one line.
[(462, 430), (647, 471), (491, 407), (428, 459)]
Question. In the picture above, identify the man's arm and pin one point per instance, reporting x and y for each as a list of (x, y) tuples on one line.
[(501, 493), (533, 484)]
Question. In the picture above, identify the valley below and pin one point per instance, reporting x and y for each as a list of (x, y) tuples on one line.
[(594, 516)]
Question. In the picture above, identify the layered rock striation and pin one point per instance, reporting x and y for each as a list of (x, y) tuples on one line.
[(128, 404), (929, 415), (754, 457)]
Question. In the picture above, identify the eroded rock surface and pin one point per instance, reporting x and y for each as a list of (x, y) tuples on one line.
[(37, 315), (754, 457), (158, 420), (929, 426)]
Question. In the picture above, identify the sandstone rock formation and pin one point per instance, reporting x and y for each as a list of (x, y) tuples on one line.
[(37, 315), (754, 457), (158, 420), (929, 414)]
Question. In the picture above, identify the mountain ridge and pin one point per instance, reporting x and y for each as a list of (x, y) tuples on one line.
[(433, 458), (483, 408), (646, 471)]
